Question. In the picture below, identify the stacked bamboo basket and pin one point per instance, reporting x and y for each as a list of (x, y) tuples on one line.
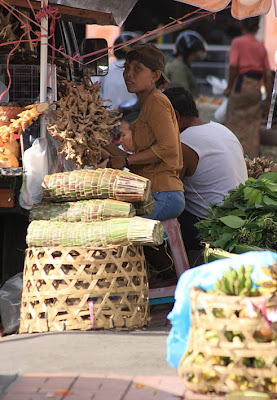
[(221, 365), (85, 266)]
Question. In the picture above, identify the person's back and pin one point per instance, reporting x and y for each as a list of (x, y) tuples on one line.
[(248, 65), (190, 45), (180, 73), (249, 54), (221, 166), (213, 163)]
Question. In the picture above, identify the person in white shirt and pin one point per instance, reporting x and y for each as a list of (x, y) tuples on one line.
[(113, 86), (213, 163)]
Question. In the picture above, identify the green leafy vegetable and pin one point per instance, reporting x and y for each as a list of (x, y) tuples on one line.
[(246, 216), (232, 221)]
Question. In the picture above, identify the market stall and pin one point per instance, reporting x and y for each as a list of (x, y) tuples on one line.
[(35, 80)]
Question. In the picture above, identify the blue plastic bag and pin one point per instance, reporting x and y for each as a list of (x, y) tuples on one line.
[(205, 276)]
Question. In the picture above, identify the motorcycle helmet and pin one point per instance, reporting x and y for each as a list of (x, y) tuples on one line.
[(189, 42), (122, 38)]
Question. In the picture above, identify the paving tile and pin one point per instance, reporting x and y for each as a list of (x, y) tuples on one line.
[(23, 389), (95, 387), (138, 392), (57, 383), (106, 396), (80, 396), (26, 385), (171, 384), (88, 383), (32, 379), (25, 396)]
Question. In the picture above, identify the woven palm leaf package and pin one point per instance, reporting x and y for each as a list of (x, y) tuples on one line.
[(116, 231), (100, 183), (224, 332), (82, 210)]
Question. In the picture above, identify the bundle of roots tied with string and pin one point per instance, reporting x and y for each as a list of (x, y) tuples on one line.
[(82, 123), (260, 165)]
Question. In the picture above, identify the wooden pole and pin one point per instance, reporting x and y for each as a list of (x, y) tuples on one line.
[(43, 66)]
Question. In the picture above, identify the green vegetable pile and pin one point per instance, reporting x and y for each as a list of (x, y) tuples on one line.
[(246, 216)]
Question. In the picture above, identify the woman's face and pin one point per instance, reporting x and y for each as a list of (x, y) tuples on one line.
[(126, 137), (138, 77)]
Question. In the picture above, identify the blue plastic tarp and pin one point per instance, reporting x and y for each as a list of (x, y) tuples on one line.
[(205, 276)]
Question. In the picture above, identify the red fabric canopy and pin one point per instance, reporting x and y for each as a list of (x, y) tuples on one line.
[(241, 9)]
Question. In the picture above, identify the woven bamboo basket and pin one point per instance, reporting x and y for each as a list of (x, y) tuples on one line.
[(84, 288), (222, 364)]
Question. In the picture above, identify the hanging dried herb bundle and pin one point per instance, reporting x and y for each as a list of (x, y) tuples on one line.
[(82, 123)]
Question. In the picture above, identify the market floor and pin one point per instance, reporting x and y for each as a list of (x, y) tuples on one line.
[(94, 365), (94, 387)]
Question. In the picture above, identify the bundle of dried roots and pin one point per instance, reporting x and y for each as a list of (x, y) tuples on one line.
[(82, 123), (260, 165)]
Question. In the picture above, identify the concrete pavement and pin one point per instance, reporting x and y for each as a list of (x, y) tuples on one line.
[(106, 352)]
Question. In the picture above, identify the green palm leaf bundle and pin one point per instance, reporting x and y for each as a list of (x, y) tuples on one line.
[(116, 231), (83, 210)]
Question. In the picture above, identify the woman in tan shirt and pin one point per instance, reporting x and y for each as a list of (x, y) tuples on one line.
[(157, 148)]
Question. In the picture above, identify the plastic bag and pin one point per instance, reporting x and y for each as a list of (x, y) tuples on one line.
[(218, 85), (10, 302), (56, 162), (220, 113), (36, 167), (205, 276)]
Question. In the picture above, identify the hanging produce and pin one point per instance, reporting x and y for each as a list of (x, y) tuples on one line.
[(25, 118), (82, 123), (9, 147), (116, 231), (246, 217)]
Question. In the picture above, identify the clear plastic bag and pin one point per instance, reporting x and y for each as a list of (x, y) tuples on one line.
[(220, 113), (36, 167), (10, 302), (218, 85)]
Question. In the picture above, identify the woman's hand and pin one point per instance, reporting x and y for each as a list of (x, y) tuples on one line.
[(116, 162)]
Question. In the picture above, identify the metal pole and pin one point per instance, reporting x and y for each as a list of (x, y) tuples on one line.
[(43, 66)]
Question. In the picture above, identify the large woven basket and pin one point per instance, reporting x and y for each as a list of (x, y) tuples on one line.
[(84, 288), (214, 360)]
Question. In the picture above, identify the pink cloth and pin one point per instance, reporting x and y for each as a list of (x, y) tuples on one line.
[(249, 54)]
